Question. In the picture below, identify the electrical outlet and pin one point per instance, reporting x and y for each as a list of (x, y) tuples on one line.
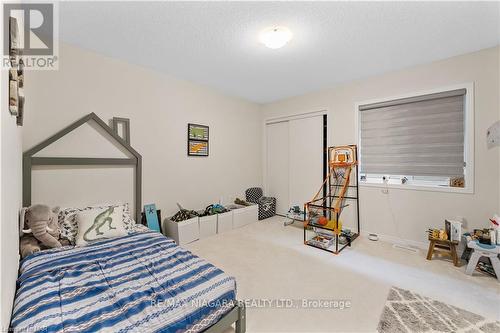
[(385, 191)]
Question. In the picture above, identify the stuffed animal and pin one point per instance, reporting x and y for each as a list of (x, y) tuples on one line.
[(241, 202), (40, 229), (443, 235), (28, 245)]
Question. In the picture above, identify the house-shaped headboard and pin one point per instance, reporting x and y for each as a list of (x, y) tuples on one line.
[(29, 160)]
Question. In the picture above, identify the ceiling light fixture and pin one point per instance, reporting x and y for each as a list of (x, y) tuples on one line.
[(275, 37)]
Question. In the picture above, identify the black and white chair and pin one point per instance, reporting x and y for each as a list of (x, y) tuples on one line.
[(267, 205)]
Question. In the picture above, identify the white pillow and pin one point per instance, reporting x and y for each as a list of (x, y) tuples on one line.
[(95, 224), (69, 225)]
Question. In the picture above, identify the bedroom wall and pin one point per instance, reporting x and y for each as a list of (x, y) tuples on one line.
[(10, 198), (159, 108), (406, 214)]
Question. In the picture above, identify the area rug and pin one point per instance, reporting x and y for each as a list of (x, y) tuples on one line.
[(406, 311)]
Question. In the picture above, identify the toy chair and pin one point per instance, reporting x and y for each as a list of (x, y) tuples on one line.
[(483, 250), (267, 205)]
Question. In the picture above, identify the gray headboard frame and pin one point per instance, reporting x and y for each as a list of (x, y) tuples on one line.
[(136, 160)]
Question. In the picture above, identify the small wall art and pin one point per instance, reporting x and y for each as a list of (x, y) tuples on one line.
[(198, 140), (16, 74), (197, 148), (13, 92), (197, 132)]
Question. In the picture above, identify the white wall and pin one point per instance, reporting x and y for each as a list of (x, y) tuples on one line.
[(498, 78), (159, 108), (10, 197), (407, 214)]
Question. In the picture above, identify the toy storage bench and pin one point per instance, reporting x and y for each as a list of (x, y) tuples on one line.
[(224, 221), (187, 231), (208, 225), (243, 215), (183, 232)]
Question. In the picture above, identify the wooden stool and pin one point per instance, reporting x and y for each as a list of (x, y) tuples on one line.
[(443, 245)]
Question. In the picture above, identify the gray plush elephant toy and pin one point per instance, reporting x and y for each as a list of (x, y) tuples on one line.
[(40, 229)]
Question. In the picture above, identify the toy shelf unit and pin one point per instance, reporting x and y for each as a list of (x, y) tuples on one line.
[(332, 216)]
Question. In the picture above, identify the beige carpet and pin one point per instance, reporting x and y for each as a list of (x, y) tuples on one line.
[(270, 262), (406, 311)]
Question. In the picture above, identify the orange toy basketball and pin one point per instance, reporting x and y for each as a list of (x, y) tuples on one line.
[(322, 220)]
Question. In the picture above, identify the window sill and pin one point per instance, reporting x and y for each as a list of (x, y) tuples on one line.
[(429, 188)]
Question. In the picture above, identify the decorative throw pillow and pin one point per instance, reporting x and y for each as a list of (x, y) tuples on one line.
[(69, 225), (127, 218), (141, 228), (95, 224)]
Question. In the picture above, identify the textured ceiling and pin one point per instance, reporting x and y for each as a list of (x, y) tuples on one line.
[(216, 43)]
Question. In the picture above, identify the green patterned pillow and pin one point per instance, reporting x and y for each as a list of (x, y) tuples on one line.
[(69, 225), (95, 224)]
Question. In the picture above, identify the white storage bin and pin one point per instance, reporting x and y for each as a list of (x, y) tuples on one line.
[(245, 215), (208, 225), (224, 222), (183, 232)]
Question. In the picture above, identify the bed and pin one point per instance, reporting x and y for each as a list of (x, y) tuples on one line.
[(141, 282)]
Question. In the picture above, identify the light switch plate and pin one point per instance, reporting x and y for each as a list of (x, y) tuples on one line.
[(493, 135)]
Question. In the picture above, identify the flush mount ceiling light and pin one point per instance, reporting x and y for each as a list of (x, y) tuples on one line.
[(275, 37)]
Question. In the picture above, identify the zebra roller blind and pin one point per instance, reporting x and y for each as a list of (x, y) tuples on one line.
[(417, 136)]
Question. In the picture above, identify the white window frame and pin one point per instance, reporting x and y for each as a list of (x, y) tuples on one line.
[(468, 145)]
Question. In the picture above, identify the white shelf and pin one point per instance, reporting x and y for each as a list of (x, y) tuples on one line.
[(224, 222), (208, 226), (188, 231), (245, 215), (183, 232)]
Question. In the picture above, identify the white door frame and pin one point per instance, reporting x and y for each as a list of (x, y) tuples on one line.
[(288, 117)]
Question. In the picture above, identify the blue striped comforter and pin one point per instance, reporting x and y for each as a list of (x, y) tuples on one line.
[(142, 282)]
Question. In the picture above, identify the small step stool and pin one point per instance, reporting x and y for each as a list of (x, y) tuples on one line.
[(446, 246)]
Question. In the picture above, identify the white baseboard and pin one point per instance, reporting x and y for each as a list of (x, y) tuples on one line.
[(397, 240)]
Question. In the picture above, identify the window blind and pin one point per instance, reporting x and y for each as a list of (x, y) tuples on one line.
[(417, 136)]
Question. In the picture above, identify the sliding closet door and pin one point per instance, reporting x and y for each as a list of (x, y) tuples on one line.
[(306, 158), (278, 164)]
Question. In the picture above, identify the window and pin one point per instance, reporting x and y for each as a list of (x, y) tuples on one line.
[(417, 142)]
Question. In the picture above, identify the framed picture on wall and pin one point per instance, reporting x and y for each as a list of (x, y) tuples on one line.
[(197, 148), (197, 140), (20, 93), (13, 92), (197, 132), (14, 41)]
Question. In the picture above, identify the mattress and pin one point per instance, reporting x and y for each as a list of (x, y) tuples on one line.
[(142, 282)]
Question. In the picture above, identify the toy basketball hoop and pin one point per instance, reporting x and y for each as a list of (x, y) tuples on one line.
[(342, 156), (330, 200)]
